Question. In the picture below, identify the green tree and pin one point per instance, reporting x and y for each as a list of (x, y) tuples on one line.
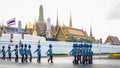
[(39, 34), (85, 40), (71, 39), (51, 39)]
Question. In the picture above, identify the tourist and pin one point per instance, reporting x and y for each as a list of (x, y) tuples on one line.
[(9, 53), (38, 50), (29, 53), (50, 53), (16, 53)]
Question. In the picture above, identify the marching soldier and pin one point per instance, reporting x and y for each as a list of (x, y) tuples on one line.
[(16, 53), (83, 54), (9, 53), (50, 53), (90, 54), (79, 53), (38, 53), (29, 53), (22, 53), (26, 55), (3, 52), (74, 53)]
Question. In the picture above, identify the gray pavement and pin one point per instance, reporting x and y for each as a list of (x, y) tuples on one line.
[(62, 62)]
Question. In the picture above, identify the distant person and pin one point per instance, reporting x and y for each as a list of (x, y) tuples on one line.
[(22, 53), (50, 53), (38, 50), (16, 53), (29, 53), (9, 53), (26, 54), (3, 52), (20, 43)]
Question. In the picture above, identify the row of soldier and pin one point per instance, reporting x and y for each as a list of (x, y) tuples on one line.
[(82, 53), (25, 53)]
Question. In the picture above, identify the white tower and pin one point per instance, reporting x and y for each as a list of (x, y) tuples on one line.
[(19, 27), (48, 31)]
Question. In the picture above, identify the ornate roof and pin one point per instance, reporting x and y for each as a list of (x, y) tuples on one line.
[(63, 33), (112, 40), (60, 33), (77, 32)]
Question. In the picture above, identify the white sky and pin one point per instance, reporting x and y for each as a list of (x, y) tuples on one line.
[(102, 15)]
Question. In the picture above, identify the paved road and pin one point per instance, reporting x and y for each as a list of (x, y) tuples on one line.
[(61, 62)]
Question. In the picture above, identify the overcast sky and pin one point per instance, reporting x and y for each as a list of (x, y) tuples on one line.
[(102, 15)]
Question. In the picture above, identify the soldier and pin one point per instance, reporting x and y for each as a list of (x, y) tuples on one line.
[(79, 52), (16, 53), (50, 53), (0, 51), (9, 53), (86, 50), (87, 53), (74, 53), (83, 54), (26, 55), (3, 52), (90, 54), (29, 53), (38, 53), (22, 53)]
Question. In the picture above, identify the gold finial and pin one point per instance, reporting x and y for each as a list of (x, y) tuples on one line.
[(3, 29)]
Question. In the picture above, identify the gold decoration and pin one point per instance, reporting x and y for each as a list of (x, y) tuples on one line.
[(34, 30), (11, 40), (29, 25)]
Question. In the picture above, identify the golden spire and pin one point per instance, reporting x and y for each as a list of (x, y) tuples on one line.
[(3, 29), (34, 30), (34, 27), (70, 24)]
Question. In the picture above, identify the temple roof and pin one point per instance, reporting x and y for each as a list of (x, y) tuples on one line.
[(112, 40), (65, 32), (75, 31)]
